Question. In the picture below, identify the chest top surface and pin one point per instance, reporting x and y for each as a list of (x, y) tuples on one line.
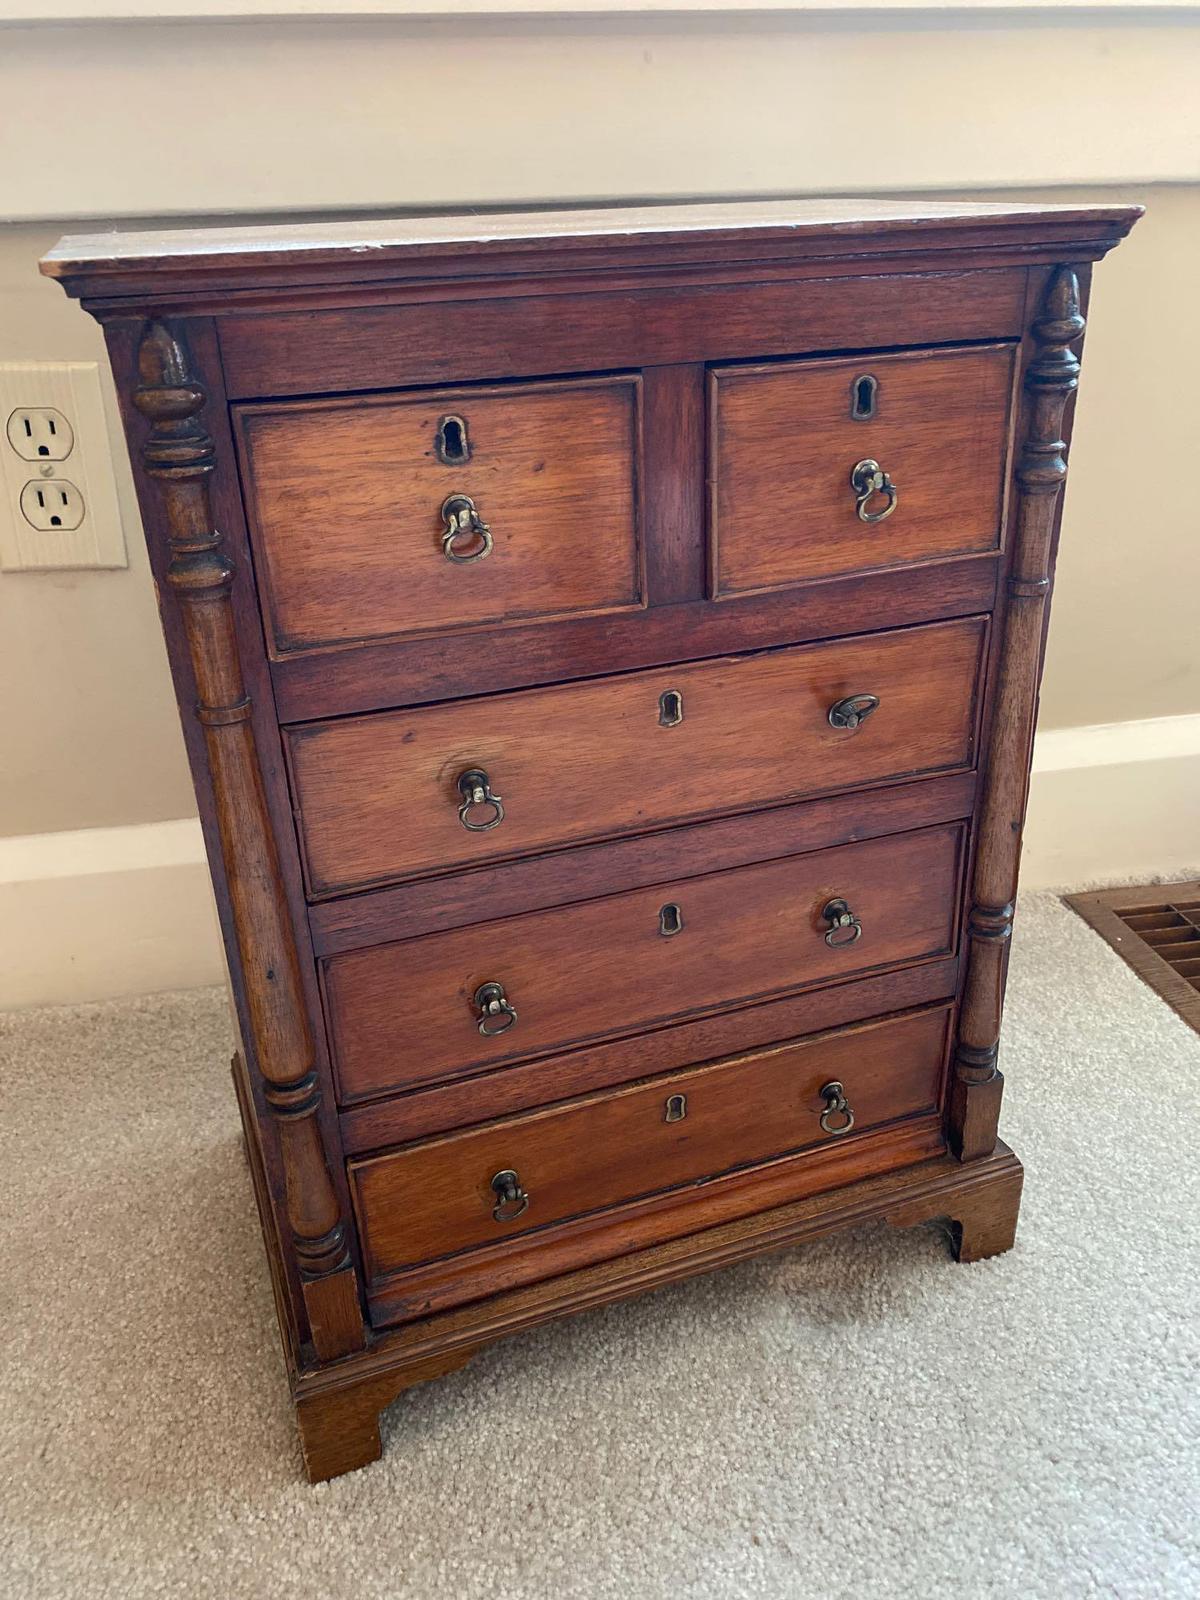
[(141, 265)]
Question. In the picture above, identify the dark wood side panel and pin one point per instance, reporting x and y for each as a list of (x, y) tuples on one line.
[(404, 1014), (1049, 379), (319, 352), (435, 1199), (379, 798), (169, 382), (375, 677)]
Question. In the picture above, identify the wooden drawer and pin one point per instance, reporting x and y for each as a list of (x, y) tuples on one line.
[(345, 500), (436, 1199), (786, 437), (407, 1013), (378, 797)]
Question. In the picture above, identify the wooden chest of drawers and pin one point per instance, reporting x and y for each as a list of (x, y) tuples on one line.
[(608, 648)]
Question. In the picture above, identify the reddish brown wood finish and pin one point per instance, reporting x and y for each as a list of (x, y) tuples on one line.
[(338, 1408), (521, 1086), (434, 1199), (378, 797), (178, 455), (785, 440), (1050, 379), (403, 1014), (345, 503), (416, 672), (449, 342), (432, 905), (437, 1285), (547, 303)]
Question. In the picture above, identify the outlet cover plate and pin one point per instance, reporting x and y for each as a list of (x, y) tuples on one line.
[(71, 388)]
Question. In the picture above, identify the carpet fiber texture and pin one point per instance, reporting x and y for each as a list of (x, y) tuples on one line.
[(858, 1418)]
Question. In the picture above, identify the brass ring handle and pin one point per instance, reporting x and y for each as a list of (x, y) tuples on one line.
[(511, 1199), (497, 1014), (868, 479), (836, 1105), (844, 926), (853, 710), (476, 790), (465, 529)]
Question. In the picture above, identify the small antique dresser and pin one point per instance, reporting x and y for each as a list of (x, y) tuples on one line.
[(608, 649)]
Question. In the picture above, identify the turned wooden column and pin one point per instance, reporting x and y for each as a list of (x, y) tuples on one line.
[(1051, 376), (179, 457)]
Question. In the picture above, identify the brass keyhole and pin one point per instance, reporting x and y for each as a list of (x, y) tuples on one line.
[(676, 1108), (670, 920), (451, 442), (862, 396), (670, 708)]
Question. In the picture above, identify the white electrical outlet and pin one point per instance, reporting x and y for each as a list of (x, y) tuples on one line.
[(59, 505)]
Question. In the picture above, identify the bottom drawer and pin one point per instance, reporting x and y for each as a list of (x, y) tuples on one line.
[(612, 1152)]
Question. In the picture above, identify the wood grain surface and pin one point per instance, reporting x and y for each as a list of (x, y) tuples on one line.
[(377, 797), (784, 442), (402, 1014), (335, 350), (434, 1199), (345, 507), (489, 1269), (642, 546)]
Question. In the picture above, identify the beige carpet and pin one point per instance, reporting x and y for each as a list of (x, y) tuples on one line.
[(855, 1419)]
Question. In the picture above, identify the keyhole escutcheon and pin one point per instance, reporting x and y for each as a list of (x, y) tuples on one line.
[(863, 392), (451, 442), (670, 708)]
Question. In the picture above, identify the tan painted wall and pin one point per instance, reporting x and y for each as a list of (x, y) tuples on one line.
[(89, 733)]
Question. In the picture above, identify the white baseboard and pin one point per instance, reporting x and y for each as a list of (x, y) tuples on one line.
[(1114, 802), (109, 912), (106, 912)]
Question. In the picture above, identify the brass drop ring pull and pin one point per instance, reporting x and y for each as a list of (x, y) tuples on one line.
[(855, 708), (511, 1200), (467, 536), (497, 1014), (844, 926), (476, 791), (867, 480), (836, 1105)]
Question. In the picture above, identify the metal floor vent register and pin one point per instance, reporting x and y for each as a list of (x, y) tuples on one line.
[(1155, 928)]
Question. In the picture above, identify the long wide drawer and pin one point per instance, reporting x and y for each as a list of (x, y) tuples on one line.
[(486, 1185), (434, 1008), (399, 794)]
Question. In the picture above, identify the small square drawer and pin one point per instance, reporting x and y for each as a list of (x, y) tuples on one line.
[(823, 468), (384, 517), (446, 1005), (401, 794), (487, 1185)]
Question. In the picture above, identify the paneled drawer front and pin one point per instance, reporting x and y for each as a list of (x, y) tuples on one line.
[(437, 1198), (786, 440), (411, 1012), (352, 503), (379, 797)]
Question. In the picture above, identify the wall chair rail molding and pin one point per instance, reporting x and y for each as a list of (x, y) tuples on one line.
[(776, 83)]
